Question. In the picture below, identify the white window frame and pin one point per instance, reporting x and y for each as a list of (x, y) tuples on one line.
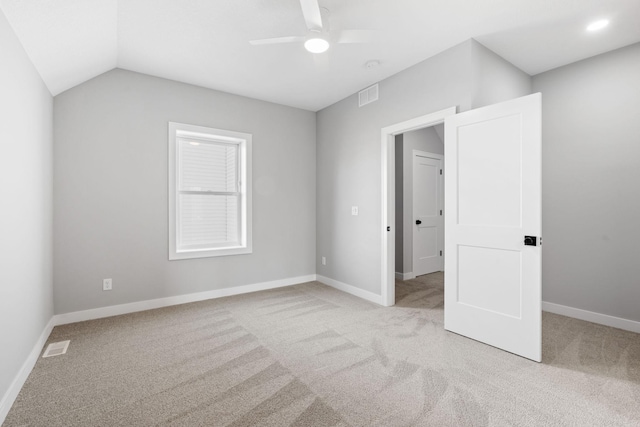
[(243, 140)]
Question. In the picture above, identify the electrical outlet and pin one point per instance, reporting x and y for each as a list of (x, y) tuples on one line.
[(107, 284), (354, 210), (324, 260)]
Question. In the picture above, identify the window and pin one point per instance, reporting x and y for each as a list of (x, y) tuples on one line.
[(209, 192)]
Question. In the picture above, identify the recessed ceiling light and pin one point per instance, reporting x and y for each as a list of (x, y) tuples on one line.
[(316, 45), (598, 25)]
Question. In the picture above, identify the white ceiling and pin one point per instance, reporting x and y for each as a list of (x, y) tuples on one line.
[(206, 42)]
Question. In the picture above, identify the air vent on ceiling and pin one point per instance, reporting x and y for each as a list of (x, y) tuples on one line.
[(368, 95), (56, 348)]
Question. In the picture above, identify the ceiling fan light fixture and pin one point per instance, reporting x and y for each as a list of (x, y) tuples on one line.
[(316, 45)]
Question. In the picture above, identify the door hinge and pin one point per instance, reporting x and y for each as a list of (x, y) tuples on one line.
[(440, 212), (440, 253), (389, 228), (440, 171)]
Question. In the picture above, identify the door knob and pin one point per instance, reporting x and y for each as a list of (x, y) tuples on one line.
[(418, 222)]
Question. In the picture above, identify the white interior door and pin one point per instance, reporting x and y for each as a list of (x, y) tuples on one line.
[(493, 200), (428, 222)]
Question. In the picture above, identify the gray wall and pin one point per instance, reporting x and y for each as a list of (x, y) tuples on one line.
[(349, 160), (424, 140), (26, 303), (591, 183), (110, 204), (349, 151), (496, 79)]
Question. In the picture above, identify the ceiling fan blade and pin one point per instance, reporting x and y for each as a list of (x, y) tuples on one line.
[(312, 15), (278, 40), (355, 36)]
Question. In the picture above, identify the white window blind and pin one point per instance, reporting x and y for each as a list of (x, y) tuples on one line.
[(210, 197), (209, 194)]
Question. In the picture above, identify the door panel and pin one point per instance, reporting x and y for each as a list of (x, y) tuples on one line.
[(492, 197), (493, 192), (490, 280), (427, 204)]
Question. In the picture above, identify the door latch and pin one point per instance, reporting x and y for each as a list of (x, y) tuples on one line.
[(530, 241)]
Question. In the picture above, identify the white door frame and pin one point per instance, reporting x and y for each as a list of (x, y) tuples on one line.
[(388, 195)]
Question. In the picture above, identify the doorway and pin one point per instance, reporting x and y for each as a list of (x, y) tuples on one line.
[(419, 202), (389, 194)]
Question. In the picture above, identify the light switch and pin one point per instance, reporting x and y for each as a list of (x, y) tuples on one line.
[(354, 210)]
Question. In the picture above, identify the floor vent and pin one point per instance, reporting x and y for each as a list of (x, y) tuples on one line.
[(368, 95), (56, 348)]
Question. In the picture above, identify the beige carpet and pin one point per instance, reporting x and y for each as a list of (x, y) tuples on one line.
[(309, 355)]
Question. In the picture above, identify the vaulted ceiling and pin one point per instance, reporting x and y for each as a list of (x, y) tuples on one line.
[(206, 42)]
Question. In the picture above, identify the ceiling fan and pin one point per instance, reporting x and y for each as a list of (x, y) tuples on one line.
[(319, 38)]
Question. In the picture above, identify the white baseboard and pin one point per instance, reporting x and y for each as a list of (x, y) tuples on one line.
[(405, 276), (590, 316), (115, 310), (361, 293), (12, 393)]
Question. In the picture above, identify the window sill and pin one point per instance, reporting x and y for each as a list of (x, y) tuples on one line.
[(209, 253)]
